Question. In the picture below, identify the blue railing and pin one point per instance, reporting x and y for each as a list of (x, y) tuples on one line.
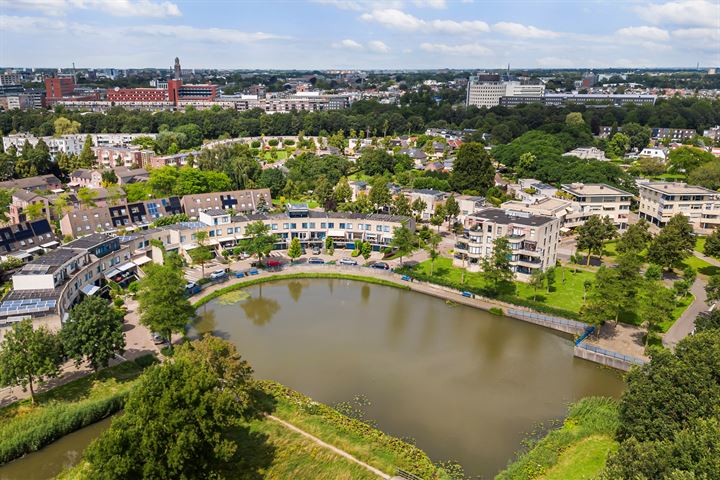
[(587, 333), (610, 353)]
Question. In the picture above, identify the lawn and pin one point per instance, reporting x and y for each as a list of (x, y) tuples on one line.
[(311, 203), (582, 461), (700, 244), (701, 266)]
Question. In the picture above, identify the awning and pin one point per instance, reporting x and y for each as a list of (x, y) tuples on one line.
[(141, 260), (90, 290), (50, 244), (126, 266), (34, 250), (564, 229), (111, 273), (336, 233)]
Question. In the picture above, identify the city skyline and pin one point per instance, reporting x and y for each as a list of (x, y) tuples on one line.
[(358, 34)]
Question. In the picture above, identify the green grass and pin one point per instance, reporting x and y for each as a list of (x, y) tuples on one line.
[(700, 244), (701, 266), (584, 460), (576, 450), (310, 202), (289, 276)]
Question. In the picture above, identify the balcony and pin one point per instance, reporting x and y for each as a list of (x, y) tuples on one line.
[(461, 246)]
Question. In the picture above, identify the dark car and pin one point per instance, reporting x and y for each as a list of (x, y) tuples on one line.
[(380, 266), (316, 260)]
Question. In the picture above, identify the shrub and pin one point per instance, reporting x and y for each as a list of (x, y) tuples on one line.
[(255, 144), (289, 142), (273, 142), (496, 311)]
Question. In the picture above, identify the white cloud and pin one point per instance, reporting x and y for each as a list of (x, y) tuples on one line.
[(555, 62), (704, 13), (467, 49), (399, 20), (118, 8), (654, 34), (360, 5), (211, 35), (348, 44), (522, 31), (378, 46), (430, 3), (711, 35)]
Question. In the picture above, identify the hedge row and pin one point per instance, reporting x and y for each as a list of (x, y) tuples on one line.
[(22, 434), (408, 457), (289, 276)]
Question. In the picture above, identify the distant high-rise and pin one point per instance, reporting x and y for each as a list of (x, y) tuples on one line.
[(178, 71)]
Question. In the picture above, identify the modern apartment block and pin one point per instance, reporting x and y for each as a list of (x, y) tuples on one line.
[(660, 201), (533, 240), (597, 199), (72, 144)]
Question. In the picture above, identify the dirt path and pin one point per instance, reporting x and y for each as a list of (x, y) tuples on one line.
[(336, 450)]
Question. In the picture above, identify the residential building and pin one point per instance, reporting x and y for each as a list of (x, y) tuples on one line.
[(25, 235), (41, 182), (10, 78), (530, 189), (358, 187), (597, 199), (547, 206), (599, 99), (84, 177), (587, 153), (712, 133), (133, 156), (485, 90), (533, 240), (469, 204), (673, 134), (240, 201), (73, 144), (432, 199), (660, 201), (20, 200), (126, 175), (658, 153)]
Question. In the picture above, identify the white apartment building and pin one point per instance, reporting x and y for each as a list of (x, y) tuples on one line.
[(486, 90), (530, 189), (548, 207), (587, 153), (469, 204), (658, 153), (660, 201), (73, 143), (533, 240), (597, 199)]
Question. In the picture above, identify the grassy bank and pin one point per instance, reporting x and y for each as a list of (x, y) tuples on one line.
[(25, 428), (289, 276), (576, 451), (270, 451)]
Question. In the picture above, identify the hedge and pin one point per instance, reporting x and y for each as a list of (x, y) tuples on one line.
[(24, 433), (289, 276)]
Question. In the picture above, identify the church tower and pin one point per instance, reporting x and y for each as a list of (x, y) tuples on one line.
[(178, 71)]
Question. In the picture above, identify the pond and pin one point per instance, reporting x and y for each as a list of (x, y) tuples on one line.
[(466, 385)]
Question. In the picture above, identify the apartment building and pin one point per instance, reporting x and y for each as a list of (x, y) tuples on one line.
[(597, 199), (469, 204), (432, 199), (24, 236), (547, 206), (46, 288), (72, 144), (20, 200), (129, 157), (533, 240), (530, 189), (660, 201), (238, 200)]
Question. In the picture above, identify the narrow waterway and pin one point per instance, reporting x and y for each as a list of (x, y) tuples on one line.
[(464, 384), (48, 462)]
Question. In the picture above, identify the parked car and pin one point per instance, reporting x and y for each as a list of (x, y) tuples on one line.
[(158, 339), (191, 288), (380, 266), (218, 275), (347, 261), (316, 250), (316, 260)]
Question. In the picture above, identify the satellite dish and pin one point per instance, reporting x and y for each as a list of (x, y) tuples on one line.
[(117, 89)]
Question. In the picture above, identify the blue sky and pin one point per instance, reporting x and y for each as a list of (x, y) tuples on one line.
[(359, 33)]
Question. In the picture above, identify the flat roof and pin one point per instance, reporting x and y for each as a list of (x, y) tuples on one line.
[(89, 241), (506, 217), (547, 203), (677, 188), (594, 189)]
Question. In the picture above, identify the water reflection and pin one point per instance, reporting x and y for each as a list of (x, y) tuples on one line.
[(295, 288), (365, 293)]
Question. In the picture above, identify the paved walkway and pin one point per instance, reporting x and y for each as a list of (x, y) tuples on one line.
[(336, 450)]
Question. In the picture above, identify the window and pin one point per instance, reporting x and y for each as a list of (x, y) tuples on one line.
[(378, 228), (331, 225), (230, 231), (386, 229), (293, 226), (304, 225), (286, 226), (312, 224), (342, 225), (274, 226)]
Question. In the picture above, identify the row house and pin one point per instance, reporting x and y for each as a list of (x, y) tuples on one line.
[(240, 201)]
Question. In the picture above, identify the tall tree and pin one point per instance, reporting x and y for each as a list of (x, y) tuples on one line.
[(401, 206), (29, 356), (452, 209), (496, 267), (418, 206), (261, 241), (343, 192), (473, 169), (87, 197), (605, 299), (177, 418), (712, 244), (635, 239), (93, 332), (35, 211), (537, 281), (379, 195), (87, 158), (404, 240), (162, 303), (431, 245), (673, 244), (64, 126), (591, 235), (295, 249)]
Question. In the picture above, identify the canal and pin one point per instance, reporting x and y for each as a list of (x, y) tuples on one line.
[(465, 385)]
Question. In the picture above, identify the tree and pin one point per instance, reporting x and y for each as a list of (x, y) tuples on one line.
[(343, 192), (431, 245), (295, 249), (656, 306), (87, 197), (605, 299), (379, 195), (274, 179), (404, 240), (324, 193), (200, 255), (177, 418), (261, 241), (93, 332), (537, 280), (635, 239), (162, 303), (593, 234), (438, 217), (418, 206), (35, 211), (365, 250), (673, 244), (497, 267), (473, 169), (64, 126), (329, 246), (712, 289), (550, 278), (575, 119), (712, 244), (401, 206), (706, 175), (687, 159), (452, 209), (87, 158), (29, 356), (707, 321), (618, 145)]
